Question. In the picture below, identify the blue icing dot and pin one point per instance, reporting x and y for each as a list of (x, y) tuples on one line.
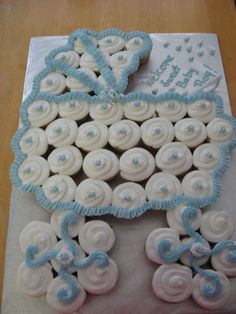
[(137, 104), (165, 45), (157, 130), (135, 161), (49, 82), (108, 41), (190, 59), (58, 129), (190, 128), (222, 130), (198, 186), (174, 156), (98, 162), (28, 140), (137, 42), (92, 194), (127, 197), (121, 131), (28, 170), (164, 189), (178, 48), (200, 44), (72, 105), (212, 52), (200, 54), (187, 39), (54, 189), (39, 108), (62, 157), (120, 58), (171, 105), (90, 133), (189, 49)]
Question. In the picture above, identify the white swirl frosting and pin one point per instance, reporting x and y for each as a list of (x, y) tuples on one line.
[(162, 186), (154, 239), (157, 132), (59, 188), (54, 83), (206, 157), (65, 257), (101, 164), (173, 110), (128, 195), (55, 303), (111, 44), (61, 132), (74, 109), (73, 230), (136, 164), (98, 280), (216, 226), (41, 112), (173, 283), (201, 259), (78, 85), (79, 46), (174, 158), (65, 160), (87, 61), (219, 130), (139, 110), (221, 262), (211, 303), (202, 109), (93, 193), (197, 184), (96, 235), (92, 135), (38, 233), (120, 60), (34, 170), (34, 281), (124, 134), (190, 132), (134, 44), (174, 219), (71, 58), (106, 113), (34, 142)]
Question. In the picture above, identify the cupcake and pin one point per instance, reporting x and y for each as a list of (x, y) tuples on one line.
[(203, 110), (162, 186), (71, 58), (87, 61), (111, 44), (156, 132), (206, 157), (134, 45), (34, 142), (65, 160), (41, 112), (128, 195), (34, 170), (79, 46), (171, 109), (219, 131), (74, 109), (124, 135), (101, 164), (197, 184), (174, 158), (139, 110), (92, 135), (78, 85), (190, 132), (136, 164), (92, 193), (106, 113), (59, 188), (61, 132), (54, 83)]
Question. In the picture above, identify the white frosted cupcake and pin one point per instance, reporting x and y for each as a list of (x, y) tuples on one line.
[(173, 110), (190, 132), (88, 62), (128, 195), (65, 160), (33, 170), (101, 164), (203, 110), (139, 110), (120, 60), (61, 132), (74, 109), (219, 131), (157, 132), (75, 85), (111, 44), (54, 83), (41, 112), (134, 44), (124, 134), (71, 58), (136, 164), (197, 184), (34, 142), (92, 135), (106, 113), (206, 157), (174, 158), (163, 186), (59, 188), (79, 46), (224, 261), (93, 193)]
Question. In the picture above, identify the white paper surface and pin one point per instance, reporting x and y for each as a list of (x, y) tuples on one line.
[(133, 293)]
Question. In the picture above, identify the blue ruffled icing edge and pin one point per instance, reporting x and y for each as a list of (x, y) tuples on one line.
[(111, 209)]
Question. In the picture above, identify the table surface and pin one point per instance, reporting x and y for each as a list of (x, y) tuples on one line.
[(21, 20)]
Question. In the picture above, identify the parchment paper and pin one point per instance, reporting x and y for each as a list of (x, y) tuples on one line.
[(133, 293)]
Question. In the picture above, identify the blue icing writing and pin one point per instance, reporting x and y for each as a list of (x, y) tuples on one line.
[(172, 76), (206, 76), (189, 49), (200, 54), (190, 59), (187, 77), (178, 48)]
